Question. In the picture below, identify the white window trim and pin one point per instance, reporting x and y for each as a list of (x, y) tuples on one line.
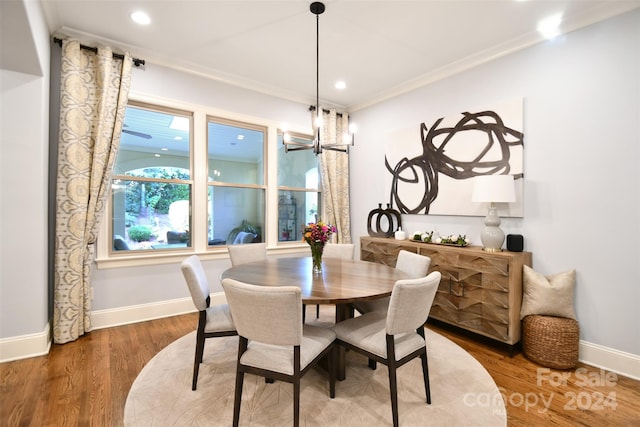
[(105, 260)]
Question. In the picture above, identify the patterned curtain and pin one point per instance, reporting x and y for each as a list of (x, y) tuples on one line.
[(334, 170), (94, 91)]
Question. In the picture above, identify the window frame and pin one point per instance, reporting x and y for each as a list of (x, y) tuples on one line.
[(223, 184), (318, 190), (107, 258)]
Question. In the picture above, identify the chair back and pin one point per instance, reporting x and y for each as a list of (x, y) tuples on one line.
[(413, 264), (410, 303), (250, 252), (339, 250), (267, 314), (196, 281)]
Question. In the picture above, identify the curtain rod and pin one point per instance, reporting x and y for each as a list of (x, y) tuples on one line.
[(324, 110), (137, 62)]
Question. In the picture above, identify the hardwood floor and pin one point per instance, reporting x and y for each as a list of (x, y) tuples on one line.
[(86, 382)]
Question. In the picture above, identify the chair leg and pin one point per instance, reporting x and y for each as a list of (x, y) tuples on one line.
[(373, 364), (242, 347), (393, 382), (238, 398), (198, 357), (296, 402), (425, 374), (318, 311), (304, 312), (333, 356)]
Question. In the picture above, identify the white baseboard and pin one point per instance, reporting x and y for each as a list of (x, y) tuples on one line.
[(141, 313), (622, 363), (26, 346)]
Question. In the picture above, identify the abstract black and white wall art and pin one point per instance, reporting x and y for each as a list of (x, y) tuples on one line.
[(429, 168)]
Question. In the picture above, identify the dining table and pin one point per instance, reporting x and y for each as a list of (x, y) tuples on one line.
[(341, 283)]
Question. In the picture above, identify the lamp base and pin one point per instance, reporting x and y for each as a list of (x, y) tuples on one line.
[(492, 236)]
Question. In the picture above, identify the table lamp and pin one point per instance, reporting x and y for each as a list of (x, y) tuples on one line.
[(493, 189)]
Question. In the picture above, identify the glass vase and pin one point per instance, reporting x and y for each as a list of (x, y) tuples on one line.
[(316, 256)]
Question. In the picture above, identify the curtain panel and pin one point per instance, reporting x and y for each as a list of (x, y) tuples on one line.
[(94, 91), (334, 170)]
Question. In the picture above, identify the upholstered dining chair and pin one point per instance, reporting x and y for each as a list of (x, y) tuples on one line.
[(397, 336), (250, 252), (213, 321), (274, 343), (339, 250), (334, 250), (415, 265)]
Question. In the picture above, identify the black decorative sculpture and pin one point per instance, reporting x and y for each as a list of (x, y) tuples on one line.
[(393, 217)]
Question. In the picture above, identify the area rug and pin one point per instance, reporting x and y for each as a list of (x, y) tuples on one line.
[(462, 391)]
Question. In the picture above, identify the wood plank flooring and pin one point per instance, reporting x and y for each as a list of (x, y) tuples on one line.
[(85, 383)]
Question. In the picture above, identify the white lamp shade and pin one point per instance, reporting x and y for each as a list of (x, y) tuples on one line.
[(494, 189)]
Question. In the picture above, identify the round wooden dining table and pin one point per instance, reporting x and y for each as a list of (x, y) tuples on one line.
[(341, 282)]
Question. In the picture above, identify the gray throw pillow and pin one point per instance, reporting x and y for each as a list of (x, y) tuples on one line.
[(548, 296)]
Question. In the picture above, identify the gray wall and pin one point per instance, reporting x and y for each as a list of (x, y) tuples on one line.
[(582, 202), (582, 137), (24, 151)]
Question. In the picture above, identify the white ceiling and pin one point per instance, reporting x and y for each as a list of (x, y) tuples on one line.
[(380, 48)]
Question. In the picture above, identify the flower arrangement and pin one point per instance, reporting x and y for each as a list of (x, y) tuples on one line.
[(317, 234)]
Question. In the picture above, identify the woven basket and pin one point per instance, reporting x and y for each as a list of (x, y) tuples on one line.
[(551, 341)]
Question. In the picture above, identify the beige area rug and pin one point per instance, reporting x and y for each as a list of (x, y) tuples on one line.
[(462, 391)]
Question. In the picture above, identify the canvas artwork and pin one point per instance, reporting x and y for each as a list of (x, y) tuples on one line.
[(429, 167)]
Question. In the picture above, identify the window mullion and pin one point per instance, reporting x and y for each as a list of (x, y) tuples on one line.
[(199, 190)]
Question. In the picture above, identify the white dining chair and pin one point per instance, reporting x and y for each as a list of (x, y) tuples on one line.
[(334, 250), (339, 250), (397, 336), (213, 321), (274, 343), (249, 252), (415, 265)]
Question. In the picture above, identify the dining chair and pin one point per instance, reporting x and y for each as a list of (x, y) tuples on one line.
[(334, 250), (415, 265), (249, 252), (213, 321), (397, 336), (339, 250), (274, 343)]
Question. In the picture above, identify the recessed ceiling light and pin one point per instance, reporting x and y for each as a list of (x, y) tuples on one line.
[(550, 27), (340, 85), (139, 17), (240, 137), (177, 138), (156, 155), (164, 149)]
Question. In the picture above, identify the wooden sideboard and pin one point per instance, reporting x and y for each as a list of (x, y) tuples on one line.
[(480, 291)]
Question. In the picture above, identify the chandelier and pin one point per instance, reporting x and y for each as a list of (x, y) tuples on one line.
[(317, 8)]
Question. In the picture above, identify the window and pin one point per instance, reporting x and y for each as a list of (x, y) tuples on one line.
[(152, 184), (186, 181), (236, 182), (298, 189)]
